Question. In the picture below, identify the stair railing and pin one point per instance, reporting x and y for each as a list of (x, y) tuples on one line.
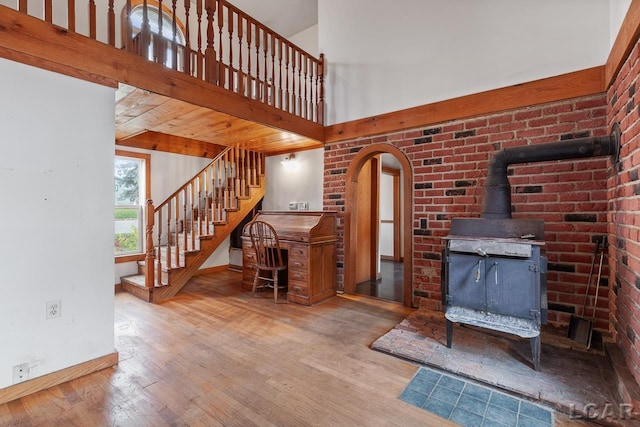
[(211, 40), (174, 228)]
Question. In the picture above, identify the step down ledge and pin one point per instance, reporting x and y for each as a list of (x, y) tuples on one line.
[(139, 281)]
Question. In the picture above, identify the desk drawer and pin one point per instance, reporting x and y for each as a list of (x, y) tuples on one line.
[(248, 257), (301, 276), (298, 252), (299, 264), (298, 288)]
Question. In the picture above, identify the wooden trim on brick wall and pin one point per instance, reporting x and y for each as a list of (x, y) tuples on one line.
[(566, 86), (625, 41), (572, 85), (35, 385)]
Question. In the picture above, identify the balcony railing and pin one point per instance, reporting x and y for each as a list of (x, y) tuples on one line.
[(211, 40)]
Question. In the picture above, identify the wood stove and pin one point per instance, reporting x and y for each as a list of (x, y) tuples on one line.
[(497, 280), (494, 267)]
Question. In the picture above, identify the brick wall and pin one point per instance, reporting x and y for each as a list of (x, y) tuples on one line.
[(624, 214), (449, 167)]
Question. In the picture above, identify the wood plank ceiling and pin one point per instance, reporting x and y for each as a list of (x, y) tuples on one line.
[(156, 122)]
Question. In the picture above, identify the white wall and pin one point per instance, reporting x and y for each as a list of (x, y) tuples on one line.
[(302, 185), (168, 172), (307, 40), (56, 168), (389, 161), (385, 243), (385, 56)]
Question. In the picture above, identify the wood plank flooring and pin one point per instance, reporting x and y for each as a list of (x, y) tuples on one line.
[(214, 356)]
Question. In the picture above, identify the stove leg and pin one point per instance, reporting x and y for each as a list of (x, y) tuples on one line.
[(535, 351), (449, 332)]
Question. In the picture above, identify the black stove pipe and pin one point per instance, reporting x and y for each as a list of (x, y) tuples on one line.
[(497, 191)]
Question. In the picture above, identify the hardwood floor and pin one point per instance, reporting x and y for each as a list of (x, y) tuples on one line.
[(214, 356), (390, 286)]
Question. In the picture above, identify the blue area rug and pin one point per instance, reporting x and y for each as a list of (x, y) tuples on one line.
[(468, 404)]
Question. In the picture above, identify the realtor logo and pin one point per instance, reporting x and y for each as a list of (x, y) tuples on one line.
[(607, 411)]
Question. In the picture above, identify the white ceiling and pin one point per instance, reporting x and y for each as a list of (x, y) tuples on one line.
[(286, 17)]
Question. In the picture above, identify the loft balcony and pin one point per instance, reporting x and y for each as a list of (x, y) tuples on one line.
[(201, 74)]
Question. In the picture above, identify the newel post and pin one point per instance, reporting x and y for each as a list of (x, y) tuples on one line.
[(149, 261)]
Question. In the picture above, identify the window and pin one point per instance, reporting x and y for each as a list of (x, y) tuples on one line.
[(166, 40), (131, 179)]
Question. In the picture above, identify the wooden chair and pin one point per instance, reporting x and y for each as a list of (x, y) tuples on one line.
[(268, 256)]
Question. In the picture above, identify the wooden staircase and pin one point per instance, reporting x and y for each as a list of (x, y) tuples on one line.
[(184, 230)]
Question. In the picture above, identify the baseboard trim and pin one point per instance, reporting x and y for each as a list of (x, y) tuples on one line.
[(210, 270), (35, 385)]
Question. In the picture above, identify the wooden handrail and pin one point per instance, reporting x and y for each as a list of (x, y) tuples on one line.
[(186, 184), (190, 213), (232, 50)]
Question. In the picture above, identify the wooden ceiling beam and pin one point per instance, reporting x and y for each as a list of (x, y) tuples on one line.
[(150, 140)]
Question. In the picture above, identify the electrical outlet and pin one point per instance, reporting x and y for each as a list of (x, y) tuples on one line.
[(20, 373), (54, 309)]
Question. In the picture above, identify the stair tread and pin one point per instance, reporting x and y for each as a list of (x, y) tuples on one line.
[(139, 280), (173, 267)]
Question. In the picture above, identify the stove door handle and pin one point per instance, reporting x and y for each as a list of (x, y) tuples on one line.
[(478, 273), (495, 264)]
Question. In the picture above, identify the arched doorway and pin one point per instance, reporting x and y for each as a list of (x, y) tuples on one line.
[(351, 216)]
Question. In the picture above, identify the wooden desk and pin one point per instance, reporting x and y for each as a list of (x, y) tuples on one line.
[(309, 238)]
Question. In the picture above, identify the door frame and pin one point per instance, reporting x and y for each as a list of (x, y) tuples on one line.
[(351, 217), (395, 174), (368, 221)]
